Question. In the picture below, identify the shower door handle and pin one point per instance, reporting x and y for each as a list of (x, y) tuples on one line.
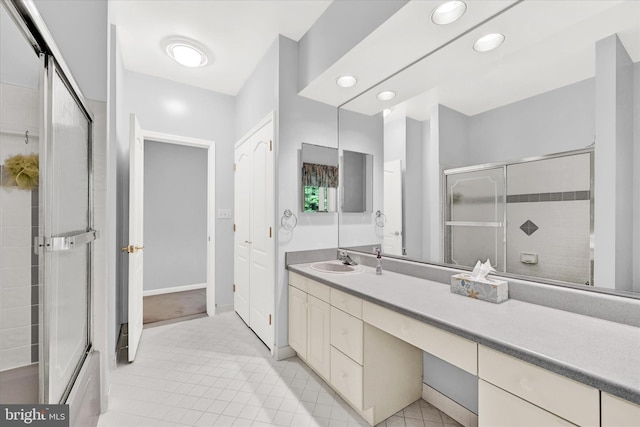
[(64, 243)]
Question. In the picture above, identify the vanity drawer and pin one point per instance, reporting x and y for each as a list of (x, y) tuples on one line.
[(451, 348), (346, 334), (496, 407), (298, 281), (318, 290), (346, 302), (618, 412), (567, 398), (346, 377)]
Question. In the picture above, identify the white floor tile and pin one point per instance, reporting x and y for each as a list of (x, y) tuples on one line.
[(213, 371)]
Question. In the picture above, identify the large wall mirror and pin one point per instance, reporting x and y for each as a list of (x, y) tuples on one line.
[(526, 154)]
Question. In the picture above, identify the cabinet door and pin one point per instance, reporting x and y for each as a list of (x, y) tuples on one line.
[(498, 408), (319, 335), (617, 412), (298, 321)]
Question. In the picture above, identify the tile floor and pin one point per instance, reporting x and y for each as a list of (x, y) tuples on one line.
[(214, 371)]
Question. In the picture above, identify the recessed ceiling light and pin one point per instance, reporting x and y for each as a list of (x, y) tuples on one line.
[(186, 52), (386, 95), (488, 42), (346, 81), (448, 12)]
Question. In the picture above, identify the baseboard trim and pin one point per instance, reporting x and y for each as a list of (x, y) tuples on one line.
[(449, 407), (223, 309), (282, 353), (173, 289)]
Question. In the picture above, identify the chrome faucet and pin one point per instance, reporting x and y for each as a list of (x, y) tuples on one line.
[(345, 258)]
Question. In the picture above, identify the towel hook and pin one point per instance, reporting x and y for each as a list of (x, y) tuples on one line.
[(381, 219), (284, 221)]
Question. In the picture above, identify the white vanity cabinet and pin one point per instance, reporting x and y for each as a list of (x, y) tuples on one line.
[(309, 322), (617, 412), (511, 390), (376, 373)]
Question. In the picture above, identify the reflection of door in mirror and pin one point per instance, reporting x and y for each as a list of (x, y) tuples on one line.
[(474, 225), (393, 236)]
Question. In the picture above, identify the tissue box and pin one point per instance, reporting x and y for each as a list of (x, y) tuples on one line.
[(492, 290)]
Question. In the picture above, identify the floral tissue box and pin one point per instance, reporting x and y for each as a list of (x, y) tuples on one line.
[(487, 289)]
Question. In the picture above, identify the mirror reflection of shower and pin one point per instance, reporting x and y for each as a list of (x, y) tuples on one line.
[(532, 217)]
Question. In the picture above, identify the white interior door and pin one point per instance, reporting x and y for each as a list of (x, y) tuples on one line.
[(254, 260), (135, 247), (262, 290), (392, 242), (242, 236)]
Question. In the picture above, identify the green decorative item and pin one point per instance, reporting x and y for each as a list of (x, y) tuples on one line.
[(23, 170)]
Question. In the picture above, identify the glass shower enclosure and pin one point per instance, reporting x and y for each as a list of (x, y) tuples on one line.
[(60, 232)]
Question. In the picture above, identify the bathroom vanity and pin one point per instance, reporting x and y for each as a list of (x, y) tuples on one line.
[(365, 335)]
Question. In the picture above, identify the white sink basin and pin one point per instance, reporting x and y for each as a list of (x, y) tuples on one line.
[(336, 267)]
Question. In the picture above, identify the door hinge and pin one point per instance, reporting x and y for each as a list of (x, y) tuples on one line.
[(235, 167), (234, 287), (269, 319), (270, 145), (234, 227), (270, 232)]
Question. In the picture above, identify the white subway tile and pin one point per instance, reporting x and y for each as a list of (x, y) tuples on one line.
[(15, 337), (15, 317), (15, 236), (15, 257), (15, 358), (15, 297), (15, 277)]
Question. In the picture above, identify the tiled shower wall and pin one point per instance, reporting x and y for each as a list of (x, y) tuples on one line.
[(18, 225), (548, 214)]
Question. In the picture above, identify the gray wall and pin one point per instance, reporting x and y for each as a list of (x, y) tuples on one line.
[(555, 121), (80, 29), (413, 190), (178, 109), (175, 215), (334, 34), (259, 94), (613, 216), (455, 383), (299, 120)]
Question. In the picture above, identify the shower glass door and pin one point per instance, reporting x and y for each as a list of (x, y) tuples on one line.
[(65, 238), (475, 217)]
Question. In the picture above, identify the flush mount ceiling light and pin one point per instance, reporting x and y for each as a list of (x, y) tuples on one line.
[(386, 95), (488, 42), (448, 12), (186, 52), (346, 81)]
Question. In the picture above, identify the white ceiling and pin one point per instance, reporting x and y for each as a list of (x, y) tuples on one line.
[(549, 44), (236, 34)]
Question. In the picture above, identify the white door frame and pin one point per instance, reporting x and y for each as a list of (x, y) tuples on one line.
[(211, 202)]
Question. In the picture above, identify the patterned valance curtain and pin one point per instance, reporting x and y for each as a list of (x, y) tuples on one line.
[(314, 175)]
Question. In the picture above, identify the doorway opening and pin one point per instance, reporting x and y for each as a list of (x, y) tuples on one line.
[(172, 201)]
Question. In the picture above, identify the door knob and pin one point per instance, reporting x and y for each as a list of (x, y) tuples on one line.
[(132, 249), (248, 242)]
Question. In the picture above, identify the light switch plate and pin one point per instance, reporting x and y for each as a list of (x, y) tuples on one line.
[(224, 214)]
